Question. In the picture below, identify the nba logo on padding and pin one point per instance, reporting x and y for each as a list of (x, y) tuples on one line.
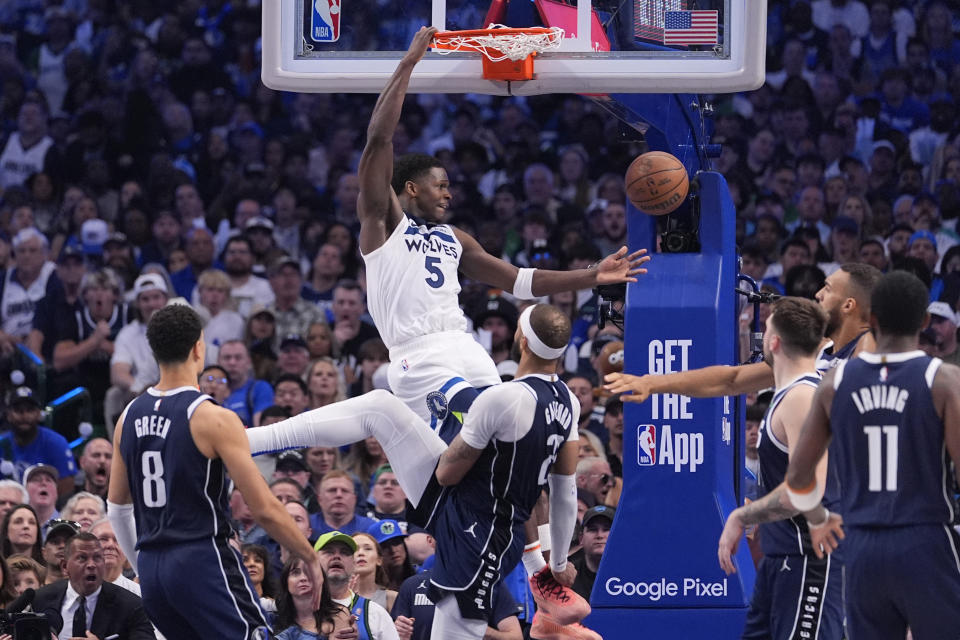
[(325, 25), (646, 445)]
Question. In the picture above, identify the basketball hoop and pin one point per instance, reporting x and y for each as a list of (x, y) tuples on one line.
[(507, 52)]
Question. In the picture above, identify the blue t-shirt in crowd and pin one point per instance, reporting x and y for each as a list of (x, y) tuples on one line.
[(49, 447), (359, 524), (251, 398)]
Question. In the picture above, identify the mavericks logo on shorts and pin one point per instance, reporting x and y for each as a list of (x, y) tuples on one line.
[(437, 405)]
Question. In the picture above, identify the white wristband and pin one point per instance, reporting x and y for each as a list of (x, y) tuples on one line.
[(523, 285), (807, 501)]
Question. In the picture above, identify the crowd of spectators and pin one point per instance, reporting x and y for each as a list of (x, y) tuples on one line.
[(142, 161)]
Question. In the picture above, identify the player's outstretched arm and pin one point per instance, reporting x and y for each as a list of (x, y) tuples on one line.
[(708, 382), (218, 433), (377, 207), (526, 284)]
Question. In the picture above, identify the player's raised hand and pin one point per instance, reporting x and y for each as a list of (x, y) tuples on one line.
[(632, 388), (315, 573), (567, 576), (826, 536), (619, 267), (419, 45), (729, 542)]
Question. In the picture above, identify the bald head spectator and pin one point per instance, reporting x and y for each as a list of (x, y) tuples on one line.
[(95, 464), (248, 396), (595, 476)]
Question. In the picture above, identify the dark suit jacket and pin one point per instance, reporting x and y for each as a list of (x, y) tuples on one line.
[(118, 611)]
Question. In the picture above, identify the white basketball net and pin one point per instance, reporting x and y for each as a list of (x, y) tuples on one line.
[(515, 46)]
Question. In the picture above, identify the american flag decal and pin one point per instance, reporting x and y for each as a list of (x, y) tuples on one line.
[(690, 27), (648, 17)]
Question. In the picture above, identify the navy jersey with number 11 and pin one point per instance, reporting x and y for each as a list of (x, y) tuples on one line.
[(179, 495), (889, 442)]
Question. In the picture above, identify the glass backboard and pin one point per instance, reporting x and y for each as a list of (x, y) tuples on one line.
[(609, 46)]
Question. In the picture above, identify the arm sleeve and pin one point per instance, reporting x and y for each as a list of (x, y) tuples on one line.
[(503, 412), (563, 517), (125, 528)]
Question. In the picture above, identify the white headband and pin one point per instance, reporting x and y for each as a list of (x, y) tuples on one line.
[(536, 344)]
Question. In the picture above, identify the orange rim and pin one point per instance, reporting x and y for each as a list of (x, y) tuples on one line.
[(441, 36)]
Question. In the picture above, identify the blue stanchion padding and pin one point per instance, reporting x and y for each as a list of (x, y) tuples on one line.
[(659, 577), (69, 395), (31, 356)]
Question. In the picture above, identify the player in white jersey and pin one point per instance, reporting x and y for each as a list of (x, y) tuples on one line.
[(412, 259)]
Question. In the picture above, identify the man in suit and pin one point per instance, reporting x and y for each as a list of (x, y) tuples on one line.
[(91, 608)]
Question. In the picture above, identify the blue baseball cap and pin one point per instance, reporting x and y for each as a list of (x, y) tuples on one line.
[(917, 235), (386, 530)]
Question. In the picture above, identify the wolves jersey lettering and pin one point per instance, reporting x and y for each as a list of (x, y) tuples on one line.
[(413, 283)]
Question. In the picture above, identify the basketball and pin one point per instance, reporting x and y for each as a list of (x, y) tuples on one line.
[(656, 183)]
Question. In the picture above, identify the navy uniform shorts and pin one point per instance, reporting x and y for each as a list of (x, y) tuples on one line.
[(200, 590), (796, 597), (901, 577)]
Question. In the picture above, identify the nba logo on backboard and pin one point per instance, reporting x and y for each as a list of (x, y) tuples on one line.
[(646, 445), (325, 25)]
